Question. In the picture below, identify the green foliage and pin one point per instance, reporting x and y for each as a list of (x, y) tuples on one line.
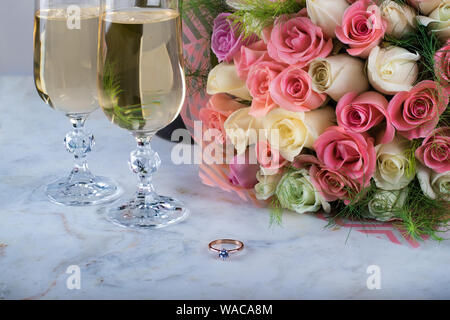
[(422, 216), (276, 212), (124, 116), (423, 42), (410, 170), (357, 207), (258, 14), (444, 120)]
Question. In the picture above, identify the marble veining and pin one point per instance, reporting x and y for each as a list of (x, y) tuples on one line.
[(300, 259)]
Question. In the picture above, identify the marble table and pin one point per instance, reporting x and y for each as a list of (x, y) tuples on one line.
[(301, 259)]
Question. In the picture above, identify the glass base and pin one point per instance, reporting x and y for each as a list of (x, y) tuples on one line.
[(139, 214), (84, 192)]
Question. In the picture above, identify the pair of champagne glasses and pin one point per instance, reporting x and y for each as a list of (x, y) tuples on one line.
[(126, 57)]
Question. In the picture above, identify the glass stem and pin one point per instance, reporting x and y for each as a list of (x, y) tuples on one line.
[(145, 162), (79, 142)]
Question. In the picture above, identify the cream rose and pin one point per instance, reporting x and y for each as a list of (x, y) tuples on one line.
[(242, 129), (290, 132), (425, 6), (385, 204), (337, 75), (392, 165), (266, 186), (434, 185), (296, 192), (327, 14), (439, 20), (392, 69), (223, 78), (401, 19)]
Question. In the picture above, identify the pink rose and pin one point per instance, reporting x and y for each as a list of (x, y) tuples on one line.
[(442, 66), (435, 150), (331, 184), (268, 157), (296, 40), (351, 154), (250, 55), (360, 113), (242, 173), (362, 28), (217, 111), (292, 90), (260, 76), (416, 113)]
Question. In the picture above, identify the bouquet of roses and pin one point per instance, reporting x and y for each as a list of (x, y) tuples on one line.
[(332, 105)]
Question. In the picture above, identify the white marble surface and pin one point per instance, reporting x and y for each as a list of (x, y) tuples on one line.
[(301, 259)]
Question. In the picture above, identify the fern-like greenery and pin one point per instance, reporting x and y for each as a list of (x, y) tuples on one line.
[(422, 216), (419, 217), (256, 15), (357, 207), (423, 42), (276, 212), (444, 120), (124, 116), (410, 170)]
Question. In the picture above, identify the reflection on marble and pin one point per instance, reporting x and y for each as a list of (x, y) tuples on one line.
[(301, 259)]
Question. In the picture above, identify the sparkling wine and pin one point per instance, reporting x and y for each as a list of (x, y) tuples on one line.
[(141, 80), (65, 59)]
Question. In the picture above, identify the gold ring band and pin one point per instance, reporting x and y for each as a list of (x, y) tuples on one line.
[(224, 253)]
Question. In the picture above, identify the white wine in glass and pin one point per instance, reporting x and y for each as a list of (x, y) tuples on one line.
[(65, 73), (142, 89)]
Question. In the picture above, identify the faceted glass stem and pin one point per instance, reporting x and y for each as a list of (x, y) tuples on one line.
[(79, 142), (145, 162), (146, 209), (81, 187)]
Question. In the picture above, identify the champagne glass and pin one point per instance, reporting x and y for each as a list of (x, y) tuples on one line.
[(65, 73), (142, 89)]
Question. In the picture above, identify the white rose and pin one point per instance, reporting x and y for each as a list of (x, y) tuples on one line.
[(385, 204), (296, 192), (269, 171), (290, 132), (327, 14), (434, 185), (392, 165), (439, 20), (392, 70), (223, 78), (266, 186), (425, 6), (242, 129), (338, 75), (401, 19)]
